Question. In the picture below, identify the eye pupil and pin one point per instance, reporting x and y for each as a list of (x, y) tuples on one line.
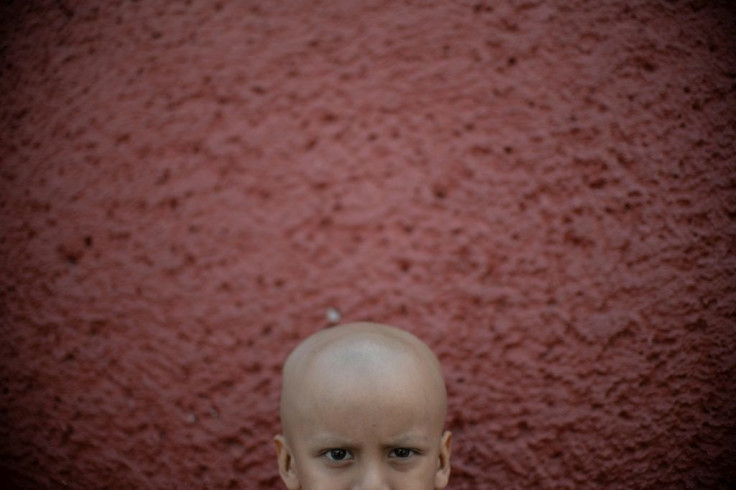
[(402, 453), (338, 454)]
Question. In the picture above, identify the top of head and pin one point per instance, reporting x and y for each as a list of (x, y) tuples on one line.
[(361, 360)]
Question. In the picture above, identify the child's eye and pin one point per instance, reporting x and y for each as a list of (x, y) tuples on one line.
[(338, 455), (402, 453)]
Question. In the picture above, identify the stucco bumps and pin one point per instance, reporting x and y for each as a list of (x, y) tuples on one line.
[(543, 191)]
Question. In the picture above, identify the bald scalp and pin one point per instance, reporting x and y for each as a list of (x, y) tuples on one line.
[(365, 356)]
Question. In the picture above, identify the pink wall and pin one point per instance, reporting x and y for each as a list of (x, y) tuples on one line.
[(543, 191)]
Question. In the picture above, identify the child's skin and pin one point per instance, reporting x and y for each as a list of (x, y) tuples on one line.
[(363, 407)]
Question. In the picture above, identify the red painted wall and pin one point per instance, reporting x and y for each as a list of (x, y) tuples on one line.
[(543, 191)]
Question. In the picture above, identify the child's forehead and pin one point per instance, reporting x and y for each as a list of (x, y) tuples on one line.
[(360, 408), (359, 372), (361, 359)]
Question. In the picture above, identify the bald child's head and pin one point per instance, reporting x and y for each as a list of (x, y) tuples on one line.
[(363, 403)]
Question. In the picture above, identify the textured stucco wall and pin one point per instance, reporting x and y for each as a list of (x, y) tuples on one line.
[(543, 191)]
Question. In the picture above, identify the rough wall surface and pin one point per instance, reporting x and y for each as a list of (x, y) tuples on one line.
[(543, 191)]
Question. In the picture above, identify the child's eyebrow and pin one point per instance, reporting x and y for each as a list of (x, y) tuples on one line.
[(412, 437), (331, 440)]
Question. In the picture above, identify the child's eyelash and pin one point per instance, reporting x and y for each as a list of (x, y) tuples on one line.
[(337, 454), (404, 452)]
